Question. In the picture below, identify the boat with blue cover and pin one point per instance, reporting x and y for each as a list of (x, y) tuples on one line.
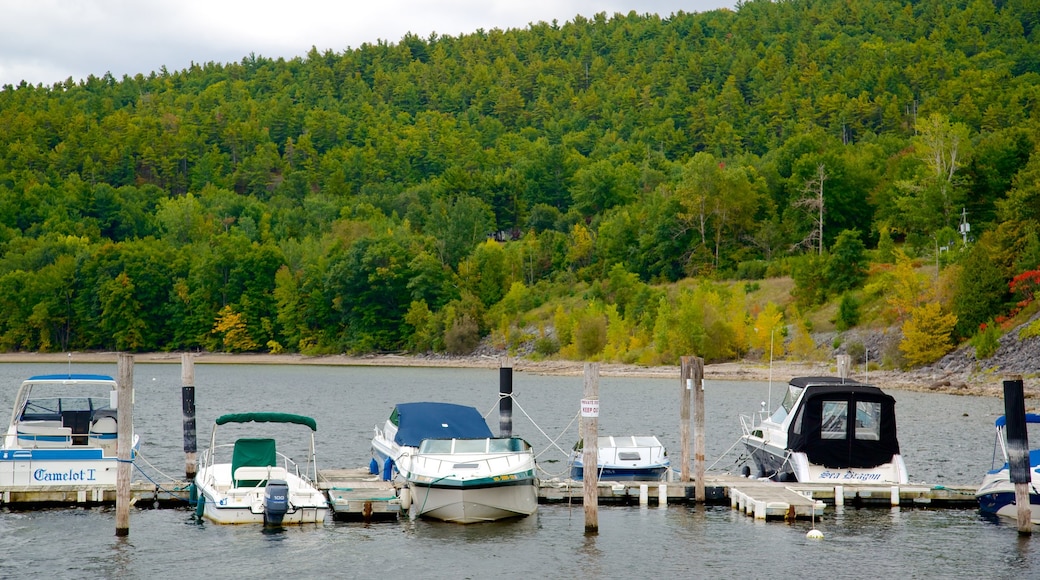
[(250, 481), (996, 494), (410, 423), (453, 468), (63, 432)]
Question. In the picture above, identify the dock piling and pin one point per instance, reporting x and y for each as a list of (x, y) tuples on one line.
[(686, 390), (125, 412), (505, 397), (188, 410), (1018, 449), (692, 378), (590, 454)]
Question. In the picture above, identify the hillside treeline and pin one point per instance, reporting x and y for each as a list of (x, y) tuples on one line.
[(588, 185)]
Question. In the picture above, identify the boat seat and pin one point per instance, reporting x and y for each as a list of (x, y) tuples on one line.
[(254, 475), (249, 452), (44, 434), (104, 433)]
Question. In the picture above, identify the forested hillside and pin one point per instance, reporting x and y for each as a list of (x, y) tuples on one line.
[(609, 188)]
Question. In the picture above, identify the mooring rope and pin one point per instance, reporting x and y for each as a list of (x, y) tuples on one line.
[(712, 466), (553, 442)]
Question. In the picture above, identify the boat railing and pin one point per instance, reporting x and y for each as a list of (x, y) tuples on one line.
[(208, 457), (477, 461), (751, 422)]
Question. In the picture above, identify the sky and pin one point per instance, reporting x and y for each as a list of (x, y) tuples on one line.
[(49, 41)]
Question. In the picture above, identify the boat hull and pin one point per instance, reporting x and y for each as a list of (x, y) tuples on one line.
[(782, 465), (619, 473), (223, 504), (996, 495), (85, 467), (244, 515), (473, 480), (468, 505)]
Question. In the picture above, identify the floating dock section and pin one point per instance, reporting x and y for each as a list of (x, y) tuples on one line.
[(357, 495)]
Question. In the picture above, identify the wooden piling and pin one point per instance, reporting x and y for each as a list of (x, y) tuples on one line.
[(697, 373), (188, 411), (685, 391), (125, 412), (1018, 449), (590, 455)]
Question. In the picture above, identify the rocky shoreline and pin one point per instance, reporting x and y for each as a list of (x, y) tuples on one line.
[(957, 380)]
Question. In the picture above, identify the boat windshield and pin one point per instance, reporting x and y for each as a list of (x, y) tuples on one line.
[(787, 404)]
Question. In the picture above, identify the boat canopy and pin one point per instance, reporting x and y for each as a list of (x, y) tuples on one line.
[(822, 431), (418, 421), (268, 418), (1030, 418), (70, 377)]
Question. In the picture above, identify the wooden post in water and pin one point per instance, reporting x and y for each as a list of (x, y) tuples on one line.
[(590, 445), (505, 397), (686, 389), (125, 412), (188, 410), (1018, 449), (697, 373)]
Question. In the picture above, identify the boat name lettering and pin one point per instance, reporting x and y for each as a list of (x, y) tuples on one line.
[(70, 475), (850, 475)]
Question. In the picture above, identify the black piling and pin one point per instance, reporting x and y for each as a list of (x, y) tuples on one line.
[(188, 414), (1018, 449), (505, 399)]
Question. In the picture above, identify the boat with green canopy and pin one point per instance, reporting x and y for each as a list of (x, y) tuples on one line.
[(252, 481)]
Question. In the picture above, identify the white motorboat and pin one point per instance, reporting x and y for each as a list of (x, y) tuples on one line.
[(629, 458), (250, 481), (409, 424), (473, 480), (63, 432), (996, 494), (827, 430)]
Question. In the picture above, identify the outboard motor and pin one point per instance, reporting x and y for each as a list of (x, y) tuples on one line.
[(276, 502)]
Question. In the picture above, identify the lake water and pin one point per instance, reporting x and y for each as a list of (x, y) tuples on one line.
[(945, 440)]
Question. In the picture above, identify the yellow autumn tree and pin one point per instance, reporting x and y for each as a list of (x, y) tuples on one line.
[(926, 335), (231, 328), (768, 332), (906, 288)]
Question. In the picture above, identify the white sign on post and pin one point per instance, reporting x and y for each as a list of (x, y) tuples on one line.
[(590, 407)]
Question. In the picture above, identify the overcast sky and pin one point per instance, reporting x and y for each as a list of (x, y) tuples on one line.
[(48, 41)]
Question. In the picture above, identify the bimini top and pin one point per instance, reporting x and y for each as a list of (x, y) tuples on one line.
[(418, 421), (268, 418), (1030, 418), (69, 377), (822, 428)]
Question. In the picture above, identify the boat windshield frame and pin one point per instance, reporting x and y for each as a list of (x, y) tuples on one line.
[(788, 402)]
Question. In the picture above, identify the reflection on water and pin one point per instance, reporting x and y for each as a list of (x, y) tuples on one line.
[(945, 440)]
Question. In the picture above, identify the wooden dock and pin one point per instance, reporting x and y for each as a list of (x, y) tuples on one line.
[(355, 494), (142, 494)]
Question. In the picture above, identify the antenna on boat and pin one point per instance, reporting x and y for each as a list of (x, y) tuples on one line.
[(70, 364), (769, 393)]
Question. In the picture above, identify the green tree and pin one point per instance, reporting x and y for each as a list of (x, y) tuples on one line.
[(980, 291), (847, 263)]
